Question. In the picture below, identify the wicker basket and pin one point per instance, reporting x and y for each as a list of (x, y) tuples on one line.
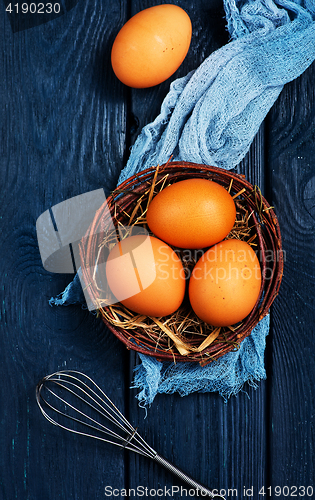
[(159, 337)]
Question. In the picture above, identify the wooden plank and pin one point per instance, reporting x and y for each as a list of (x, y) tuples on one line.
[(222, 445), (291, 148), (209, 34), (62, 134)]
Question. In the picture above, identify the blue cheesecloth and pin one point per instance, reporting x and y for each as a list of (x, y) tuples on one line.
[(211, 116)]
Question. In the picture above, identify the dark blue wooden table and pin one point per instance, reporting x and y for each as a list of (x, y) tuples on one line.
[(67, 125)]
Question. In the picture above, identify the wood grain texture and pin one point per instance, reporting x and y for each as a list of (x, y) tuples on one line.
[(209, 33), (291, 172), (222, 445), (59, 110), (67, 126)]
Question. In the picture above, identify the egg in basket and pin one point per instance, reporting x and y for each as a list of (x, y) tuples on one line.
[(192, 264)]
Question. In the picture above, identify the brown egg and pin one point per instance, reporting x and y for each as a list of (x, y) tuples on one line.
[(151, 46), (225, 283), (193, 213), (146, 276)]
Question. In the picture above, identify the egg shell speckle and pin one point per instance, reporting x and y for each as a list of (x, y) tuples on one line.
[(151, 46)]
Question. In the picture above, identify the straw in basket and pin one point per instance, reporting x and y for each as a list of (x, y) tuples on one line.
[(183, 336)]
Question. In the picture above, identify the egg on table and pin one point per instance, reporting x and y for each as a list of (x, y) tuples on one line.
[(146, 276), (193, 213), (151, 46), (225, 283)]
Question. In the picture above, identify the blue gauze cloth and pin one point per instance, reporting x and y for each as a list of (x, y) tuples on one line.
[(211, 116)]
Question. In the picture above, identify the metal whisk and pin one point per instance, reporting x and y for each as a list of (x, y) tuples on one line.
[(73, 401)]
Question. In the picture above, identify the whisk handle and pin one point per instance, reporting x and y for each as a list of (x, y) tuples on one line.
[(204, 492)]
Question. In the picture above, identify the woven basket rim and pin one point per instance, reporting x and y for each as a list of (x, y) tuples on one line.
[(268, 228)]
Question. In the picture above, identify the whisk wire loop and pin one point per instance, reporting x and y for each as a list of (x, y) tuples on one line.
[(103, 406), (77, 398), (101, 427), (101, 411)]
